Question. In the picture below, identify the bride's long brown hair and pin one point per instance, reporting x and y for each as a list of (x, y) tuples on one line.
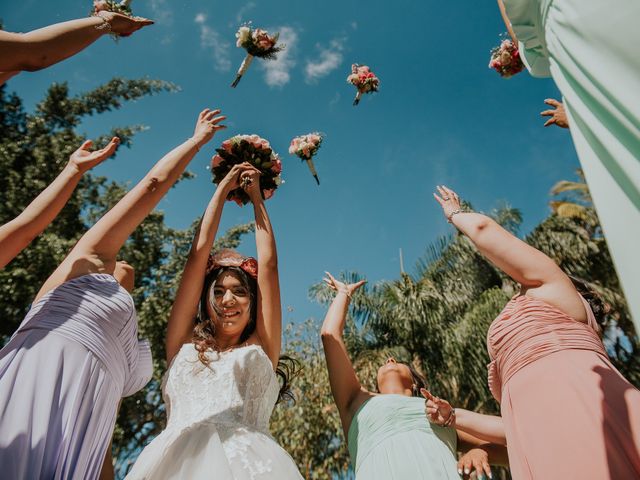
[(205, 329)]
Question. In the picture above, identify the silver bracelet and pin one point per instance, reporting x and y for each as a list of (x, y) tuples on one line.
[(455, 212), (105, 25)]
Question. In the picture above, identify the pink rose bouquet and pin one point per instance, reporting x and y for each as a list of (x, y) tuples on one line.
[(122, 7), (305, 147), (255, 150), (505, 59), (364, 80), (257, 43)]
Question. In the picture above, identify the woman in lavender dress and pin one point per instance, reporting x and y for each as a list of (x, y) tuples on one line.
[(76, 353)]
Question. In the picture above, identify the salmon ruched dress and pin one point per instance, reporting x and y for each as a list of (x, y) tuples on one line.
[(567, 412)]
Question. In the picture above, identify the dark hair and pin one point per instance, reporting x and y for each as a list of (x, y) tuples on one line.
[(418, 381), (204, 330), (598, 306)]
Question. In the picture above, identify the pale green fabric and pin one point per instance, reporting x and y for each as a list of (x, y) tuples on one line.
[(591, 48), (391, 439)]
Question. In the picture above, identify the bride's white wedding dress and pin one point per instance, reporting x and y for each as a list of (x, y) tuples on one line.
[(218, 421)]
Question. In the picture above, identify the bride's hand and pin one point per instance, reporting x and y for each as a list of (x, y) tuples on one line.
[(232, 180), (250, 183), (347, 288)]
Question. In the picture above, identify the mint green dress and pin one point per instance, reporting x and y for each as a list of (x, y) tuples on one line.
[(391, 439), (591, 48)]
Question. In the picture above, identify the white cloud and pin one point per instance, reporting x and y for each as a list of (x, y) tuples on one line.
[(243, 11), (210, 39), (162, 14), (277, 71), (330, 59)]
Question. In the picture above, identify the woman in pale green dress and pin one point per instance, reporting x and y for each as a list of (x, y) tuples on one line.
[(388, 434), (590, 48)]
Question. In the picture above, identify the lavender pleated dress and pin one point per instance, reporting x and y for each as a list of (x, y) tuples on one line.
[(62, 375)]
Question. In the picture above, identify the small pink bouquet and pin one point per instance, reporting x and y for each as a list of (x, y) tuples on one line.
[(255, 150), (363, 79), (505, 59), (257, 43), (305, 147)]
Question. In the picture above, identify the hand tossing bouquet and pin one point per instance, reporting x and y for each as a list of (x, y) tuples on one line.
[(255, 150), (305, 147), (505, 59), (257, 43), (364, 80)]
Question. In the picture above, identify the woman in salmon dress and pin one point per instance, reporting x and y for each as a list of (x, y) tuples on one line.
[(566, 411)]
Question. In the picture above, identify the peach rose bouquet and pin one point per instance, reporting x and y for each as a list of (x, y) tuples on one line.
[(505, 59), (305, 147), (258, 152), (258, 43), (364, 80)]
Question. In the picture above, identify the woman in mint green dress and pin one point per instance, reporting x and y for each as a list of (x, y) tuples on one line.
[(388, 434), (590, 48)]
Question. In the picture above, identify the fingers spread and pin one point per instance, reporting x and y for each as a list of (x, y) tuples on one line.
[(551, 121), (548, 113), (553, 102)]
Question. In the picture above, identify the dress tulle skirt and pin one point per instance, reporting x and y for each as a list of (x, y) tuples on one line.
[(208, 450), (50, 390)]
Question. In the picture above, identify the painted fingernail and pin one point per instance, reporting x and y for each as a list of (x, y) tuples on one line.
[(460, 471), (467, 471)]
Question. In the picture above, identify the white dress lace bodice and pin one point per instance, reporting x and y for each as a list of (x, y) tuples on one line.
[(239, 387), (217, 421)]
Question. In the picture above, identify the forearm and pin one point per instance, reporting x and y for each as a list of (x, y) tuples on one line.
[(507, 22), (335, 319), (486, 427), (49, 45), (18, 233), (265, 238)]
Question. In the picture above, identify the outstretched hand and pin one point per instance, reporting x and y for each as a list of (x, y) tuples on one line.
[(438, 411), (558, 116), (84, 159), (448, 200), (475, 460), (206, 126), (338, 286), (123, 25)]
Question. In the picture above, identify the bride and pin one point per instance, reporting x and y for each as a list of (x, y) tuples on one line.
[(223, 351)]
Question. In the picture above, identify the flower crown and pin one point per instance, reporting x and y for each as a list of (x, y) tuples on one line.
[(230, 258)]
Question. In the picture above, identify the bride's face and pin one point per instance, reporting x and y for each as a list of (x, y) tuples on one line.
[(233, 300)]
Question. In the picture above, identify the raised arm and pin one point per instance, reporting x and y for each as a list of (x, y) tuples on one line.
[(17, 234), (529, 267), (507, 22), (484, 427), (46, 46), (345, 386), (269, 311), (185, 306), (96, 251)]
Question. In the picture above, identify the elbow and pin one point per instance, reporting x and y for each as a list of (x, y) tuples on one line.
[(483, 224), (328, 334)]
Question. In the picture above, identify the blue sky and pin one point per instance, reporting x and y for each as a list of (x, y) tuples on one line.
[(441, 116)]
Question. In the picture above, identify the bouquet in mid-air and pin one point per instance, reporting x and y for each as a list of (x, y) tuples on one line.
[(258, 152), (505, 59), (305, 147), (363, 79), (257, 43)]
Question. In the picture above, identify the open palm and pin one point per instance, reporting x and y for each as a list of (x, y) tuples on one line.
[(84, 159)]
